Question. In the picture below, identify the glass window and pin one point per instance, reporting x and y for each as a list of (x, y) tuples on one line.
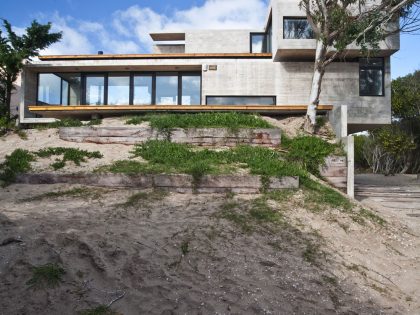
[(49, 89), (371, 77), (73, 85), (143, 90), (297, 28), (95, 90), (167, 89), (241, 100), (118, 90), (191, 90), (259, 43)]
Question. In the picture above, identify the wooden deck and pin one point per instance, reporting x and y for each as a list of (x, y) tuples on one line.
[(51, 110)]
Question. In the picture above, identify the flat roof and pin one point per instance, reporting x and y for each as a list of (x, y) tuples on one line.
[(167, 36), (155, 56)]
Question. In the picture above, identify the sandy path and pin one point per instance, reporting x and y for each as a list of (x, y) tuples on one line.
[(107, 250)]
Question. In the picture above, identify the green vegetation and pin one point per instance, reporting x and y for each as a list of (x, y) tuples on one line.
[(251, 215), (310, 152), (185, 248), (201, 120), (143, 197), (46, 276), (77, 156), (318, 196), (99, 310), (367, 214), (67, 122), (19, 161)]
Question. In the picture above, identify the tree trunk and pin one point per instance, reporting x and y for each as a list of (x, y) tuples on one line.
[(9, 89), (319, 70)]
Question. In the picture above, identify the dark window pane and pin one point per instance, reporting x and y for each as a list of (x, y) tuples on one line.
[(167, 90), (142, 90), (371, 77), (118, 90), (49, 89), (191, 90), (64, 92), (371, 82), (95, 87), (297, 28), (241, 100)]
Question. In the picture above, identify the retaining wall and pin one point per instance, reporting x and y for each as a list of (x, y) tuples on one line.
[(241, 184), (208, 137)]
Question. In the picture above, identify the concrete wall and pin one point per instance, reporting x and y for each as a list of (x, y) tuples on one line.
[(16, 97), (297, 48), (169, 49), (218, 41), (289, 81)]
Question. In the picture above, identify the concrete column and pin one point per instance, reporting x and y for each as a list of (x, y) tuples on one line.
[(349, 141)]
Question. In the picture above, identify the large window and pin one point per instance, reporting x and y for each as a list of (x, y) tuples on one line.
[(371, 80), (115, 88), (59, 88), (241, 100), (166, 89), (118, 89), (191, 90), (297, 28), (143, 90), (95, 89)]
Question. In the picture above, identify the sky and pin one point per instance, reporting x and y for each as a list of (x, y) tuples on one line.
[(123, 26)]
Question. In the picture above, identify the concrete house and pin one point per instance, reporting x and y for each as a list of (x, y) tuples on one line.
[(267, 70)]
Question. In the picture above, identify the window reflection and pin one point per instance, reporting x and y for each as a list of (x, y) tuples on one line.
[(95, 90), (191, 88), (118, 90), (297, 28), (143, 90), (166, 89)]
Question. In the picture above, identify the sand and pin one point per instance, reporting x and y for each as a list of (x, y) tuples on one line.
[(108, 251)]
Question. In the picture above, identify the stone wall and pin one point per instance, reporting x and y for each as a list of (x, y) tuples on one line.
[(207, 137), (335, 171), (181, 183)]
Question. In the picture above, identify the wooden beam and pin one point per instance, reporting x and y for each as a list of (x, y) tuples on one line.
[(155, 56), (128, 108)]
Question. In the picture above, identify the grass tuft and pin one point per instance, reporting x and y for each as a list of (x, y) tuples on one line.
[(143, 197), (99, 310), (19, 161), (75, 155), (46, 276), (231, 120)]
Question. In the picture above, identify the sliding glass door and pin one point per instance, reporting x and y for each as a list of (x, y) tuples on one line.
[(143, 89), (166, 89), (118, 89), (95, 89)]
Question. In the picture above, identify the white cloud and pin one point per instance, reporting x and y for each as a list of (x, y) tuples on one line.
[(129, 30), (213, 14)]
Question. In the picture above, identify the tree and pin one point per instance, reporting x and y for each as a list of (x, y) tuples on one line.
[(338, 23), (14, 50)]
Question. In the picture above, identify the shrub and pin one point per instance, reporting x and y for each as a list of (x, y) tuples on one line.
[(310, 152)]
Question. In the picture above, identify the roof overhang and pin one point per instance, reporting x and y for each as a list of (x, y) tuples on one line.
[(162, 37)]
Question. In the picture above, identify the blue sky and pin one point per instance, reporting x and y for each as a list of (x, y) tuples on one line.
[(122, 26)]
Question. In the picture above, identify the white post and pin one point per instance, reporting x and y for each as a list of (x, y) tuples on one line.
[(350, 165)]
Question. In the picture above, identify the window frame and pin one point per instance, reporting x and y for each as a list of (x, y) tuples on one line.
[(296, 18), (274, 97), (61, 89), (95, 74), (373, 67)]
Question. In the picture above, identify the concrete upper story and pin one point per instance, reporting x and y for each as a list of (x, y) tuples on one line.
[(239, 41)]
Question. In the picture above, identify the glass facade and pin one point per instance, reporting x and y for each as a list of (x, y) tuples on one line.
[(166, 89), (143, 90), (95, 90), (241, 100), (115, 88), (297, 28), (371, 76), (118, 89), (191, 90), (59, 89)]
